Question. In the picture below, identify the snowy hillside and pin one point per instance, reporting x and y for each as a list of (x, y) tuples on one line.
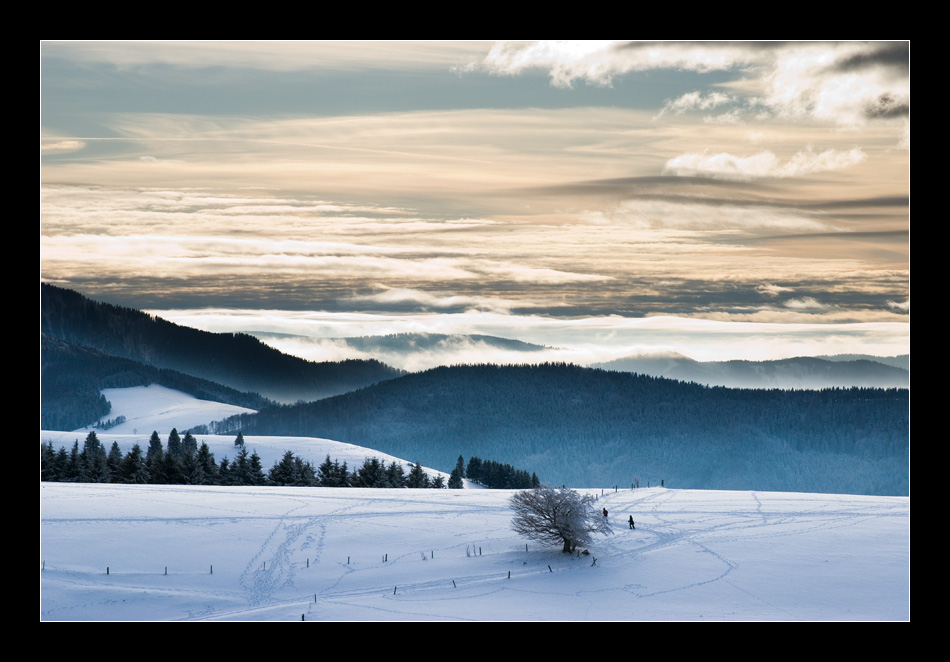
[(188, 553), (184, 553), (156, 408)]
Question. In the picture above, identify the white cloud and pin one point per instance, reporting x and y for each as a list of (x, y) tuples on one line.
[(763, 164), (63, 146), (598, 62), (844, 83), (771, 290), (903, 306), (695, 101), (805, 303)]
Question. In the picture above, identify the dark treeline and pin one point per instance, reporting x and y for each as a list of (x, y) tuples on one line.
[(497, 475), (182, 461)]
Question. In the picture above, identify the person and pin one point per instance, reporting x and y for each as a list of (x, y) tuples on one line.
[(605, 513), (630, 522)]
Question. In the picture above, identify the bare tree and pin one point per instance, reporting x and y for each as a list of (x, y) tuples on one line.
[(553, 516)]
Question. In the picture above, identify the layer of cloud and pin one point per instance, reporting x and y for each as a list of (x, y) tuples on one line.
[(756, 336), (763, 164), (839, 82)]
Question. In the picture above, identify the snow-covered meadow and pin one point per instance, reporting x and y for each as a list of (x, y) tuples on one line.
[(187, 553), (346, 554)]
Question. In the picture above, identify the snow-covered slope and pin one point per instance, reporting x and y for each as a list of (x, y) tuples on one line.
[(175, 552), (111, 552), (155, 407), (160, 409)]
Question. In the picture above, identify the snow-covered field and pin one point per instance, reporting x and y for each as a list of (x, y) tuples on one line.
[(341, 554), (114, 552)]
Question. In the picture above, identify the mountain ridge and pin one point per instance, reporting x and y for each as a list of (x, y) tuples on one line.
[(238, 361)]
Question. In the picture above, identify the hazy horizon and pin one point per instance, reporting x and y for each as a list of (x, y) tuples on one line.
[(719, 199)]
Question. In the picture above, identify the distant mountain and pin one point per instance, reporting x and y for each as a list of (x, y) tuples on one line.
[(900, 361), (793, 373), (582, 427), (411, 342), (238, 361), (414, 351)]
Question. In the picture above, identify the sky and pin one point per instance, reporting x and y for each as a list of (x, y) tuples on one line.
[(719, 199)]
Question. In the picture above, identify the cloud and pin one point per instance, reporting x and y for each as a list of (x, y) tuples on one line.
[(771, 290), (763, 164), (695, 101), (763, 334), (599, 62), (806, 304), (399, 297), (902, 306), (63, 146), (278, 56), (844, 83)]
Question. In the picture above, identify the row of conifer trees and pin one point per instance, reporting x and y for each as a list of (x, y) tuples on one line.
[(184, 461)]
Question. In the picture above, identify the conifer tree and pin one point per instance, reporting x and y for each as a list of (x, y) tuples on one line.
[(174, 445), (134, 467), (114, 461), (256, 470), (154, 446), (205, 460), (284, 471), (50, 469), (189, 444), (241, 468), (418, 477), (225, 476), (395, 475), (94, 467), (327, 473)]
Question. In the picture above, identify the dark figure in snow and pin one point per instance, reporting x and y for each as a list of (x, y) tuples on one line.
[(630, 522), (605, 513)]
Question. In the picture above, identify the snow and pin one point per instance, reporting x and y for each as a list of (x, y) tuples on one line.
[(190, 553), (352, 554), (156, 407)]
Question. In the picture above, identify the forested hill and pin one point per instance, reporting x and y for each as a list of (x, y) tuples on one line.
[(582, 427), (73, 377), (239, 361)]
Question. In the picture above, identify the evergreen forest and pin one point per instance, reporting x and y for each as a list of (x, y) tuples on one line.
[(182, 461), (583, 426)]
